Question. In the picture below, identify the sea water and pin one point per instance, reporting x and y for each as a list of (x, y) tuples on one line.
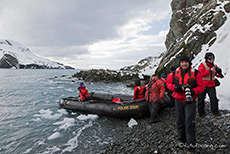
[(31, 120)]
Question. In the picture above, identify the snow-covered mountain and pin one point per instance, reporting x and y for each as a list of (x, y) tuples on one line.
[(16, 55)]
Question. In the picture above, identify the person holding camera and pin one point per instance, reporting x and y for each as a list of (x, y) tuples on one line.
[(209, 71), (186, 83)]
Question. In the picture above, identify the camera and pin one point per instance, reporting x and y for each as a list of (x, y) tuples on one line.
[(219, 71), (188, 93)]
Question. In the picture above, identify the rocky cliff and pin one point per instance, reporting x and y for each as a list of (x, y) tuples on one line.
[(193, 24)]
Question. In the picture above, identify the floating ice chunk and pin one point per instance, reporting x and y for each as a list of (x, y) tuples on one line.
[(47, 114), (37, 119), (86, 117), (66, 123), (132, 122), (54, 136), (62, 111), (27, 151)]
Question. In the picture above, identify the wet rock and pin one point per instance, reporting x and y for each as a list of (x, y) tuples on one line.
[(102, 75), (212, 135), (227, 7)]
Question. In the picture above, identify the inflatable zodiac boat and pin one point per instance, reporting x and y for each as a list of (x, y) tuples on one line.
[(102, 104)]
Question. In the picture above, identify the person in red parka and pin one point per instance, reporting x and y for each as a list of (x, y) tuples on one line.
[(83, 92), (154, 94), (139, 91), (209, 72), (185, 78)]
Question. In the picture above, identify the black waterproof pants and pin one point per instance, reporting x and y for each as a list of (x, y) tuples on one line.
[(186, 122), (154, 109), (213, 100), (88, 98), (171, 98)]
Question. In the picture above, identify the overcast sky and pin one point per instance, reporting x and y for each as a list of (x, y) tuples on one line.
[(88, 33)]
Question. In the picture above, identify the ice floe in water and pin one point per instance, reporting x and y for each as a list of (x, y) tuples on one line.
[(86, 117), (66, 123), (47, 114), (62, 111), (54, 136)]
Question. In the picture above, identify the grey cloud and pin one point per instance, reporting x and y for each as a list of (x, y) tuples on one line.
[(77, 22), (61, 28), (60, 52)]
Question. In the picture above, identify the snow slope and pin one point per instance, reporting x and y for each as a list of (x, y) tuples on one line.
[(221, 50), (24, 55), (151, 68)]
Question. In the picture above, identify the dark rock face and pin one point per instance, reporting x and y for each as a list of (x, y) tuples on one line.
[(8, 61), (181, 4), (192, 25), (32, 66), (35, 66), (227, 8), (68, 67)]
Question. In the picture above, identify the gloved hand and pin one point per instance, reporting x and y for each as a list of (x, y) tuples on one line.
[(221, 76), (192, 93), (178, 88)]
